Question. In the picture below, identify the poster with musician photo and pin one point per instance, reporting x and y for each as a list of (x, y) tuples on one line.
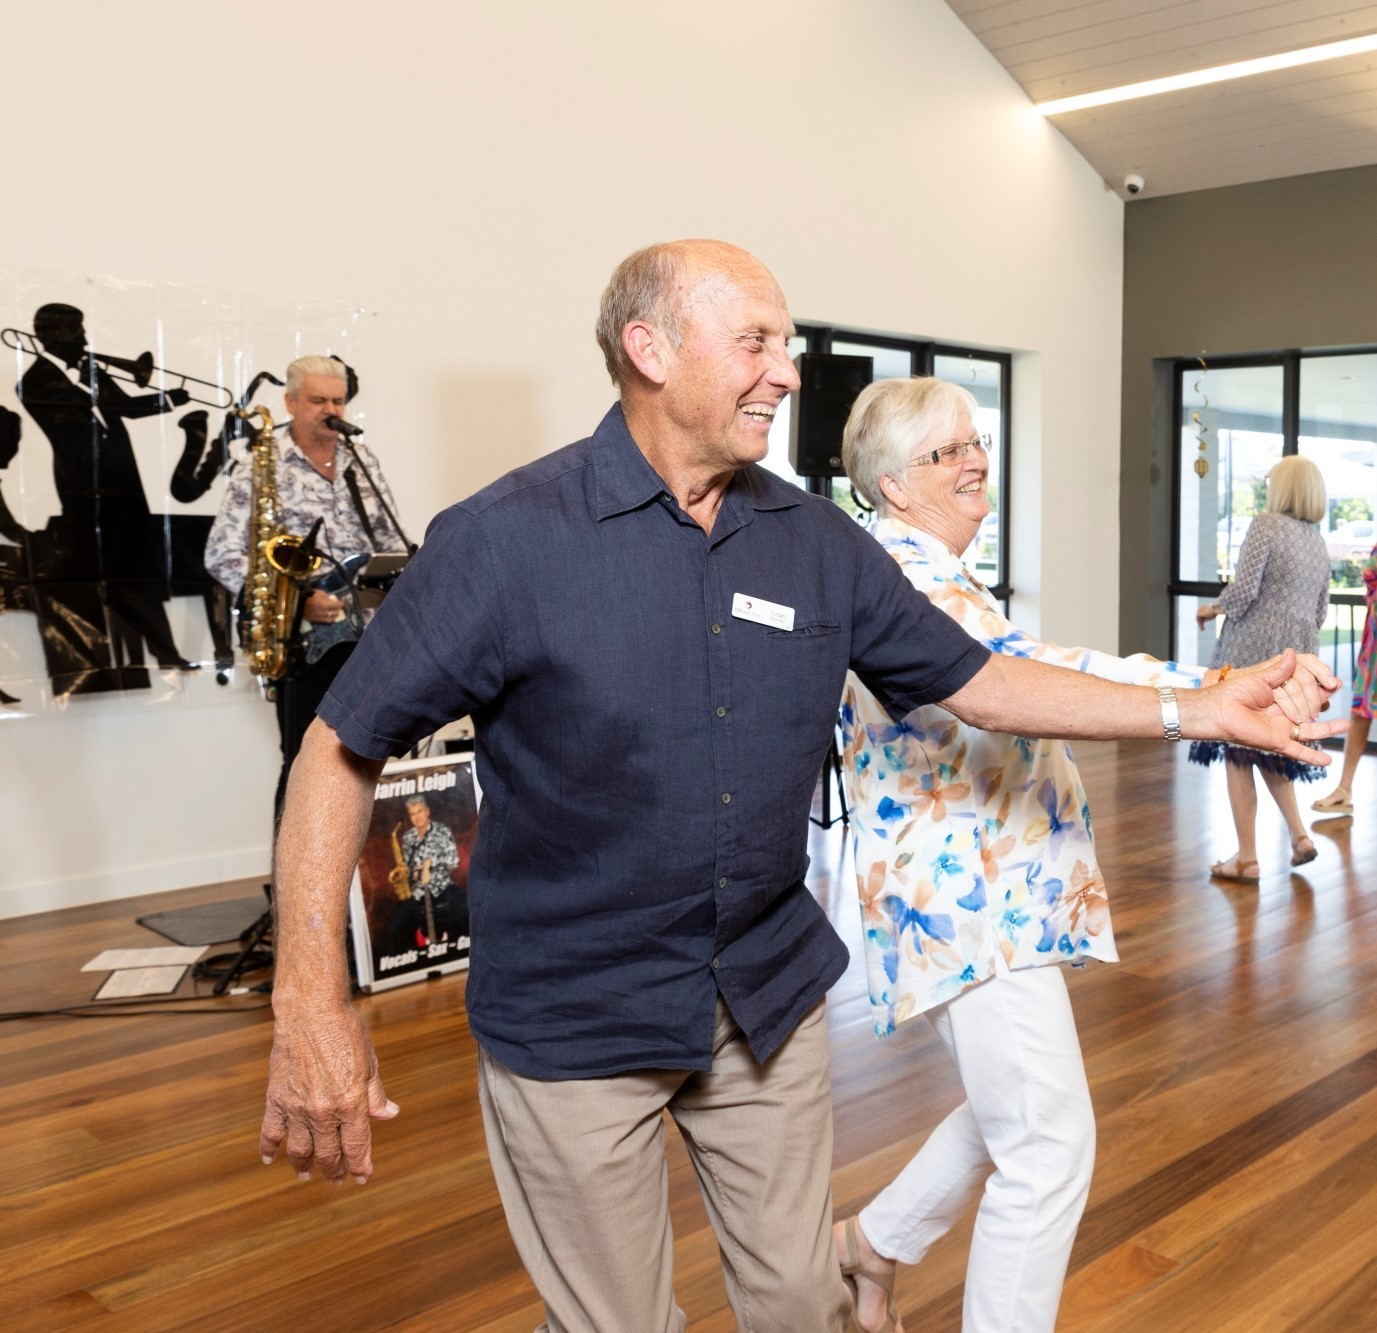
[(408, 908)]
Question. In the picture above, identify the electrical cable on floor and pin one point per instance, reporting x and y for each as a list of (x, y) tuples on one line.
[(135, 1008)]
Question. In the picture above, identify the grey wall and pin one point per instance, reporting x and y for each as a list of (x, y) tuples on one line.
[(1252, 268)]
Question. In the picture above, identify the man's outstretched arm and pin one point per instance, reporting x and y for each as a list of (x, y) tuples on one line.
[(1027, 698), (323, 1083)]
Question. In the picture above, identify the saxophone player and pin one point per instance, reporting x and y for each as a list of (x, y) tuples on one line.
[(317, 480), (432, 911)]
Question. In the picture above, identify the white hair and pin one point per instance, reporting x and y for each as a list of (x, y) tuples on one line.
[(890, 422), (313, 365)]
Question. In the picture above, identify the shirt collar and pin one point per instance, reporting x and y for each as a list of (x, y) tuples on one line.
[(293, 453), (626, 481), (898, 537)]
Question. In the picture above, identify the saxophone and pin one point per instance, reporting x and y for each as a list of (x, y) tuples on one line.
[(397, 876), (277, 562)]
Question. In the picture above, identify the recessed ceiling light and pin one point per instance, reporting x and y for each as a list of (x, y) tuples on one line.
[(1240, 69)]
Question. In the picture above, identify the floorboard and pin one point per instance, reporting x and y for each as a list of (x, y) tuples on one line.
[(1232, 1058)]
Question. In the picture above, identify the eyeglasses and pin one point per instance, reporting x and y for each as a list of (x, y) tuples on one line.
[(953, 453)]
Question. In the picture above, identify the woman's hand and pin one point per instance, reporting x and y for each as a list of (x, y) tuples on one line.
[(1206, 612)]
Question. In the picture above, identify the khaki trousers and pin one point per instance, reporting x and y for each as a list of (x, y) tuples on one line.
[(580, 1165)]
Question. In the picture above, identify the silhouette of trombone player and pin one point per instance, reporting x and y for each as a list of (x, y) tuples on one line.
[(106, 532)]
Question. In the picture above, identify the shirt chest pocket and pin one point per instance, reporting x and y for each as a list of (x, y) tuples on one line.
[(806, 671)]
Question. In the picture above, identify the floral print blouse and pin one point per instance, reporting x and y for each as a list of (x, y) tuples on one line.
[(971, 843)]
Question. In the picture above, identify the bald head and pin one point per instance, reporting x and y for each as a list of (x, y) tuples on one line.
[(663, 285)]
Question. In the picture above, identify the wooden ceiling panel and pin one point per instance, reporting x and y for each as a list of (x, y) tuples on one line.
[(1315, 118)]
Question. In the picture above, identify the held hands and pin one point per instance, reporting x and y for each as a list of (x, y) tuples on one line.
[(323, 1088), (1269, 706)]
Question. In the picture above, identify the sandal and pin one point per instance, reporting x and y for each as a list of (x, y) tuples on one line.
[(1338, 802), (851, 1266), (1242, 872), (1303, 851)]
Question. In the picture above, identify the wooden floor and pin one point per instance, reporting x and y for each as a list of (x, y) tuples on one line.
[(1232, 1058)]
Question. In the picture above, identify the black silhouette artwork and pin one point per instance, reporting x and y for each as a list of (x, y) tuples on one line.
[(15, 579), (99, 576)]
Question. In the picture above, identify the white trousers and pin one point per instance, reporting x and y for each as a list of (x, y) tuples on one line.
[(1025, 1134)]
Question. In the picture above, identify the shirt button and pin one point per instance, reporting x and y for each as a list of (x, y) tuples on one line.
[(722, 883), (721, 712), (726, 798), (714, 964), (717, 629)]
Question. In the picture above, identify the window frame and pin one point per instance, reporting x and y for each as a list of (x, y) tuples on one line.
[(1290, 363), (923, 353)]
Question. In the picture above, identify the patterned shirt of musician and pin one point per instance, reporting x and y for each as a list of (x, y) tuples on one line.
[(438, 848), (305, 496)]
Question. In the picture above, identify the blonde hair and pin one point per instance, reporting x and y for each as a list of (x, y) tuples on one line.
[(313, 365), (888, 423), (1295, 486)]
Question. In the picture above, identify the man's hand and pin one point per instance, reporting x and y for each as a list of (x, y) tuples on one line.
[(1303, 695), (1266, 707), (323, 1088), (322, 609)]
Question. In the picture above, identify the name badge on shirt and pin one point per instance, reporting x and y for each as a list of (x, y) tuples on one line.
[(762, 612)]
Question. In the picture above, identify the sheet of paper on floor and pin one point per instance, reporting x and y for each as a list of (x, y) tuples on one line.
[(164, 956), (140, 981)]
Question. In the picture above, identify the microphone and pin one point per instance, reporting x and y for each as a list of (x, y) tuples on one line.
[(308, 547), (342, 427)]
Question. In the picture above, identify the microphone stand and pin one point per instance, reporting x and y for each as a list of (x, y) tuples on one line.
[(373, 486), (346, 431)]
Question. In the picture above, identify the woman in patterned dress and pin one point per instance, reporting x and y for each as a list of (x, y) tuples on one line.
[(1278, 599), (977, 874), (1340, 800)]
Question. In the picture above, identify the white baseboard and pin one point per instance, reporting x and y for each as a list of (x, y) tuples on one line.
[(110, 886)]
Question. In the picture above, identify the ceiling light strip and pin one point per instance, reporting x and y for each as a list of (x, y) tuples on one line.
[(1240, 69)]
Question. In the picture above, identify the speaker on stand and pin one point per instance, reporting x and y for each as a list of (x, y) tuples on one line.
[(828, 385)]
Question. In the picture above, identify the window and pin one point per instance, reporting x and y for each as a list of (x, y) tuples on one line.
[(1251, 412), (985, 374)]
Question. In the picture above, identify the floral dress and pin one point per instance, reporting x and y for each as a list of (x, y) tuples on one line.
[(971, 844), (1365, 679)]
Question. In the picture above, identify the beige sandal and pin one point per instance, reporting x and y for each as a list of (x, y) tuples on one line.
[(1240, 872), (851, 1266), (1338, 802)]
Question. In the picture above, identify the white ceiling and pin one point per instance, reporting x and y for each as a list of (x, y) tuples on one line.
[(1316, 118)]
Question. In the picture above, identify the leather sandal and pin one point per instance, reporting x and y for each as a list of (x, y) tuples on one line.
[(1240, 872), (1303, 851), (1338, 802), (851, 1267)]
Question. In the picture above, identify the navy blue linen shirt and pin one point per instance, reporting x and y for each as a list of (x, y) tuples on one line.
[(647, 760)]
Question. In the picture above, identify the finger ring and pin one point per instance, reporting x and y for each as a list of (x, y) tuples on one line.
[(1295, 731)]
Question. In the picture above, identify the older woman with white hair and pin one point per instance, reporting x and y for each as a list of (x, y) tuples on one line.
[(978, 880)]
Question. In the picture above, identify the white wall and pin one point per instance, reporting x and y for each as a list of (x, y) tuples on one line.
[(473, 173)]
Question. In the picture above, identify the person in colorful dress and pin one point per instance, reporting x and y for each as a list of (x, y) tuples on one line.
[(976, 871), (1279, 598), (1340, 800)]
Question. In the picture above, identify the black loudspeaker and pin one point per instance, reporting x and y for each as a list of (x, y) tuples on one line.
[(828, 385)]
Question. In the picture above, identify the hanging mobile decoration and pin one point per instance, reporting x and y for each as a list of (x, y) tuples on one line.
[(1202, 464)]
